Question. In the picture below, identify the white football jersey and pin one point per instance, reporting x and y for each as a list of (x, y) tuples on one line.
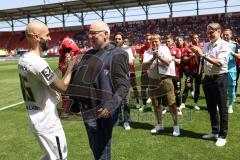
[(35, 77)]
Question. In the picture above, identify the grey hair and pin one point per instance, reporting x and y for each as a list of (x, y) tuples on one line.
[(214, 26), (108, 29), (104, 25)]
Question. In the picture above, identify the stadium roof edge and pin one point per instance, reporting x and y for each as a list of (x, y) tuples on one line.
[(77, 6)]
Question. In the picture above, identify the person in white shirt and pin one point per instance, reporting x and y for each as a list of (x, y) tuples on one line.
[(161, 68), (215, 83), (38, 83)]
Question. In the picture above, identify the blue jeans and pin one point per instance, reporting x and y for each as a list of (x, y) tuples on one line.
[(99, 135)]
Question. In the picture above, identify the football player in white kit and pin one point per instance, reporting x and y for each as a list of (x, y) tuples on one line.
[(37, 84)]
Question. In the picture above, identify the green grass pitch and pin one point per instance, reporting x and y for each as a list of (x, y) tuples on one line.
[(18, 143)]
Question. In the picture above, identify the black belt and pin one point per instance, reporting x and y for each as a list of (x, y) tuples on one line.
[(215, 75), (166, 77)]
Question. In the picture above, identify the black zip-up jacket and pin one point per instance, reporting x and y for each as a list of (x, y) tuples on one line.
[(101, 80)]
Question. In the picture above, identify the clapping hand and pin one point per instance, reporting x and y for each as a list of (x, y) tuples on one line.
[(155, 53), (197, 51)]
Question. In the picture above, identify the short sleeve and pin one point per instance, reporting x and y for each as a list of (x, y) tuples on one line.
[(130, 54), (43, 71), (147, 56), (166, 53)]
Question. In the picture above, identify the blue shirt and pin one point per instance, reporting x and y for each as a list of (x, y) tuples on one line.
[(231, 58)]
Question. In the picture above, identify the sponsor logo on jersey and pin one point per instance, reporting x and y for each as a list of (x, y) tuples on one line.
[(47, 73)]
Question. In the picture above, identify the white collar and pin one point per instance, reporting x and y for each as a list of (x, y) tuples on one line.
[(216, 42)]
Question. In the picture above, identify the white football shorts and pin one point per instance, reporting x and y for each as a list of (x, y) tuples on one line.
[(54, 145)]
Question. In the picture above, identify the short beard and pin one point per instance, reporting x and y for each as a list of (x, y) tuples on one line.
[(43, 46)]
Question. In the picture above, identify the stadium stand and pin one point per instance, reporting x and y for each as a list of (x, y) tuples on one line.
[(178, 27)]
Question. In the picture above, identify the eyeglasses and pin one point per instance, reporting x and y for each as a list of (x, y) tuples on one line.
[(211, 32), (96, 32)]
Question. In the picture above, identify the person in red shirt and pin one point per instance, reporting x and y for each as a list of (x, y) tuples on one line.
[(188, 66), (67, 49), (144, 75), (145, 47), (238, 66), (197, 70), (176, 55)]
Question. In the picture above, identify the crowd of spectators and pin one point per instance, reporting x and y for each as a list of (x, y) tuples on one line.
[(136, 30)]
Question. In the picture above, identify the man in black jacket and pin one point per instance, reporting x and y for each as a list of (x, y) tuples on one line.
[(100, 83)]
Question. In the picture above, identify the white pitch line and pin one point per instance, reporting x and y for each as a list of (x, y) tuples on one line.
[(10, 106)]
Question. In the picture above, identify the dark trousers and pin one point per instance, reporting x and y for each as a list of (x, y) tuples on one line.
[(133, 82), (124, 109), (188, 81), (144, 86), (177, 88), (197, 82), (99, 133), (190, 78), (215, 90)]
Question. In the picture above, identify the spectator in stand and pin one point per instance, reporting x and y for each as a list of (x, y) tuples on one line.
[(186, 67), (176, 57), (118, 39), (232, 70), (215, 83), (144, 75), (133, 79), (67, 49), (179, 26), (161, 68)]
